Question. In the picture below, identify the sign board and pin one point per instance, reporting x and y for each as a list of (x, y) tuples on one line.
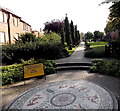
[(33, 70)]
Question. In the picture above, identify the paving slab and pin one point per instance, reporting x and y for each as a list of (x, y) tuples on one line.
[(70, 94)]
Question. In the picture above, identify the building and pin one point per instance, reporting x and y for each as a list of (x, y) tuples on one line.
[(115, 34), (11, 26), (38, 33)]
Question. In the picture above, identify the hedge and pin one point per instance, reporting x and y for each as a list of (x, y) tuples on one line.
[(14, 73), (47, 47), (106, 67)]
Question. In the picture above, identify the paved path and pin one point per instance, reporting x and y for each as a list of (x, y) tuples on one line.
[(78, 56)]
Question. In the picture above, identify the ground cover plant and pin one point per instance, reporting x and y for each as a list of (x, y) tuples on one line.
[(111, 68), (14, 73), (70, 51), (96, 50), (97, 44)]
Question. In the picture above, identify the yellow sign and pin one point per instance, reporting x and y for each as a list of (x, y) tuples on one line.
[(33, 70)]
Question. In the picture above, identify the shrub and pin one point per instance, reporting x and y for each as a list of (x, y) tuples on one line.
[(49, 70), (11, 74), (27, 37), (96, 52), (14, 73), (47, 47), (115, 46), (106, 67)]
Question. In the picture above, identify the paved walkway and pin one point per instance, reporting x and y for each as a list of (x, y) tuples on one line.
[(78, 56)]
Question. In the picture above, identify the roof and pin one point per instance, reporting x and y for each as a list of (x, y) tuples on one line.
[(25, 22), (11, 12)]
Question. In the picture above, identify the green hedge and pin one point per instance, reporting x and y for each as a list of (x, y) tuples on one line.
[(96, 52), (14, 73), (106, 67), (47, 47)]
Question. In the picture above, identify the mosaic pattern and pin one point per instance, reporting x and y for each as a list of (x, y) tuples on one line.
[(73, 94), (63, 99)]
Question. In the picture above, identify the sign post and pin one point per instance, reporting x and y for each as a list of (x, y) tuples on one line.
[(33, 70)]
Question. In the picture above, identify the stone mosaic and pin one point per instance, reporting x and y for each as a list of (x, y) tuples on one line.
[(73, 94)]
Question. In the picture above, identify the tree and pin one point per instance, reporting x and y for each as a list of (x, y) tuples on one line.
[(114, 18), (88, 35), (67, 31), (82, 35), (101, 34), (76, 42), (54, 26), (78, 36), (27, 37), (98, 35), (62, 35), (72, 33)]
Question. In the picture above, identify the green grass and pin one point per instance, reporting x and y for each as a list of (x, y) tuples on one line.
[(97, 44), (99, 48), (97, 51), (71, 51)]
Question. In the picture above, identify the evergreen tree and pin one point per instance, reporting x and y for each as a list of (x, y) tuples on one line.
[(72, 33), (78, 37), (67, 31), (62, 35), (76, 42)]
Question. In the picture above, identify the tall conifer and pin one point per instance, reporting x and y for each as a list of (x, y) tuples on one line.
[(67, 31)]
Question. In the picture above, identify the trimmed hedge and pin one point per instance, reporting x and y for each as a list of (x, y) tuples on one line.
[(14, 73), (96, 52), (47, 47), (106, 67)]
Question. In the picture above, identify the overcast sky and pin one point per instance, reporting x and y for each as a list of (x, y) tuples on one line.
[(85, 13)]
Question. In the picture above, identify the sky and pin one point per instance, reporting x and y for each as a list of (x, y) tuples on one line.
[(86, 14)]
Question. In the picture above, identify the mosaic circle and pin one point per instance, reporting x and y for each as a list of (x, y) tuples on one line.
[(63, 99), (72, 94)]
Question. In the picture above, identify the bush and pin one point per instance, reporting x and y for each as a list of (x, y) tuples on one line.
[(11, 74), (97, 52), (27, 37), (49, 70), (115, 46), (14, 73), (106, 67), (47, 47)]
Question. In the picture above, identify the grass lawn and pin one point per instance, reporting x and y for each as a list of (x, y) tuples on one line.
[(97, 44), (71, 51), (97, 51)]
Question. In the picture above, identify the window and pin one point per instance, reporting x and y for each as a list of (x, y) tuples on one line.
[(1, 16), (17, 36), (25, 27), (5, 18), (15, 21), (2, 38)]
